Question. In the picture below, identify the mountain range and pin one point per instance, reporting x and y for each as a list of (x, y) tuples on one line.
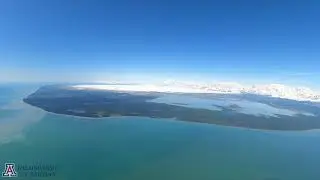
[(273, 90)]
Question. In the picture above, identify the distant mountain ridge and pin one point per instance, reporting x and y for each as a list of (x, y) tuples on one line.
[(274, 90)]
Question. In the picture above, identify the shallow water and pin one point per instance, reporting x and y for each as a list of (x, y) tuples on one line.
[(244, 106)]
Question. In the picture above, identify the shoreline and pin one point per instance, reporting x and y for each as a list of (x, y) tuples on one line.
[(176, 120)]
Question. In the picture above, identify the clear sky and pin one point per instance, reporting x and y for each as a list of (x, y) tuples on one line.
[(276, 41)]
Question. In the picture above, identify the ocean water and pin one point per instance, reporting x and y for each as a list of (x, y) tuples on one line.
[(138, 148)]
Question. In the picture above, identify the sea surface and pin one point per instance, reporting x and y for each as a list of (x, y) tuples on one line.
[(138, 148), (243, 106)]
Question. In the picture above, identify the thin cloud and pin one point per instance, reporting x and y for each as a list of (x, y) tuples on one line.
[(304, 74)]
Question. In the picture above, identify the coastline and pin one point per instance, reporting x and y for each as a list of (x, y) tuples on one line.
[(179, 121)]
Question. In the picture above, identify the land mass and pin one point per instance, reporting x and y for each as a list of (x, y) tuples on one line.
[(102, 103)]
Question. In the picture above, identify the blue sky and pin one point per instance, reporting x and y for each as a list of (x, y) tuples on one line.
[(268, 41)]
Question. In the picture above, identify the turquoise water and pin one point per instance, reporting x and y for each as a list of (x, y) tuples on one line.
[(154, 149)]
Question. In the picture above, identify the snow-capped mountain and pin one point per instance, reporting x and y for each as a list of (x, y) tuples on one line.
[(274, 90), (287, 92)]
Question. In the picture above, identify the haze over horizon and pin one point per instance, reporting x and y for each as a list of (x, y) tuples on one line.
[(89, 41)]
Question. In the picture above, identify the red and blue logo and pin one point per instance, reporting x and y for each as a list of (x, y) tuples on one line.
[(9, 170)]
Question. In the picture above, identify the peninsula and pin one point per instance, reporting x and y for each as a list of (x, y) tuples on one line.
[(109, 103)]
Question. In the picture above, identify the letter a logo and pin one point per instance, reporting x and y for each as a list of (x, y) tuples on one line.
[(9, 170)]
